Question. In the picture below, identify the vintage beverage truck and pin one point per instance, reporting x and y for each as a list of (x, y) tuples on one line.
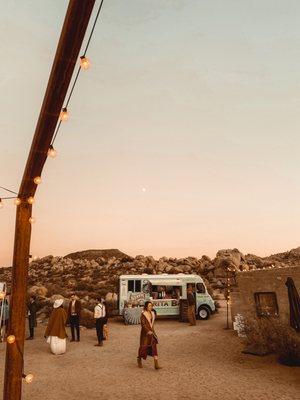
[(165, 291)]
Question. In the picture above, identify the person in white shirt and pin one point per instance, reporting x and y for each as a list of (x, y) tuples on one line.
[(100, 318)]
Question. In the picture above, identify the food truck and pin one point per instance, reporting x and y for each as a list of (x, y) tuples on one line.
[(165, 291)]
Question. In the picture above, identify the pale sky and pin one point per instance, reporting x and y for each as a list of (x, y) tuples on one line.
[(195, 101)]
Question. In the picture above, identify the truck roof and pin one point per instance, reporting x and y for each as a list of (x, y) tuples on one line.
[(161, 276)]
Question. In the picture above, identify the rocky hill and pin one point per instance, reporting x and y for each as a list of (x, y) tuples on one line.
[(96, 272)]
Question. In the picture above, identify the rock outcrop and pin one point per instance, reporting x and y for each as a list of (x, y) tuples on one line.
[(96, 272)]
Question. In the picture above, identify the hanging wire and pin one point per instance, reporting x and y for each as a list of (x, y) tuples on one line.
[(71, 91), (79, 69), (10, 191)]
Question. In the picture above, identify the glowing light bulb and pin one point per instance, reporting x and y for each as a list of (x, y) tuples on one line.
[(37, 180), (1, 203), (30, 200), (11, 339), (28, 378), (52, 152), (85, 62), (34, 258), (17, 202), (2, 295), (64, 115), (31, 220)]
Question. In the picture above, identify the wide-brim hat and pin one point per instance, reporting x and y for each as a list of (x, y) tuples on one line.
[(58, 303)]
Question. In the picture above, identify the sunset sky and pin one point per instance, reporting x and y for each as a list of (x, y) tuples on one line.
[(183, 137)]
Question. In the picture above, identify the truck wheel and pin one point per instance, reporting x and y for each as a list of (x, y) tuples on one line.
[(203, 312)]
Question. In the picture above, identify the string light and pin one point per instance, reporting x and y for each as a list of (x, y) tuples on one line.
[(28, 378), (2, 295), (37, 180), (64, 115), (85, 62), (30, 200), (18, 201), (11, 339), (52, 152), (31, 220)]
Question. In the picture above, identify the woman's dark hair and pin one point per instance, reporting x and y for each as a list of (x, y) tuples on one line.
[(146, 305)]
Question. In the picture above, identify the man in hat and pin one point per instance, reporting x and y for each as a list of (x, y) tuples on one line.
[(74, 313), (56, 329), (100, 318)]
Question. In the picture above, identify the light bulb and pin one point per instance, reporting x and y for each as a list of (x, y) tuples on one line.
[(11, 339), (34, 258), (31, 220), (52, 152), (17, 202), (30, 200), (2, 295), (1, 203), (37, 180), (85, 62), (28, 378), (64, 115)]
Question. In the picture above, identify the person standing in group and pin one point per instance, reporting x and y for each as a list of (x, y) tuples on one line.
[(56, 330), (74, 313), (31, 312), (148, 337), (191, 306), (100, 318)]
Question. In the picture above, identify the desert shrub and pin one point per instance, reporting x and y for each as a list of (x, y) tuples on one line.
[(270, 335)]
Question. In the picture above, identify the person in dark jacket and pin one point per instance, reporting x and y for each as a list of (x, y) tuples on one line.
[(31, 312), (74, 314)]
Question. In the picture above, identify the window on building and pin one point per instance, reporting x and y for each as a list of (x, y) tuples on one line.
[(134, 285), (266, 304)]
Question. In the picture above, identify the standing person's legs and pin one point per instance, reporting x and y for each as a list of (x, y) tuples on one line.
[(191, 315), (98, 330), (77, 328), (72, 324), (102, 320), (31, 328)]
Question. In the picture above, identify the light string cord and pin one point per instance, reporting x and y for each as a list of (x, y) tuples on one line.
[(78, 71)]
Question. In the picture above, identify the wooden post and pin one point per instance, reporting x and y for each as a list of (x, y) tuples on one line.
[(66, 57)]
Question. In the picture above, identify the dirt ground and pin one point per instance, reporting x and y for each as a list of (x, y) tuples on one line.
[(201, 362)]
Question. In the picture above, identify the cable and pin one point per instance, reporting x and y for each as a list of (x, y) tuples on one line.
[(71, 91), (78, 71), (10, 191), (92, 31)]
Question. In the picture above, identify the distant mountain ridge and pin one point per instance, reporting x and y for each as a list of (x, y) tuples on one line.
[(96, 254)]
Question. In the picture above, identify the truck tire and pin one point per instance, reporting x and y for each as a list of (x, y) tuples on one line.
[(203, 312)]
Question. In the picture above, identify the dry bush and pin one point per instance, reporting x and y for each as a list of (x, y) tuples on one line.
[(270, 335)]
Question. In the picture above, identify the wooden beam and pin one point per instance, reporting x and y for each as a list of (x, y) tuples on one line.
[(67, 53)]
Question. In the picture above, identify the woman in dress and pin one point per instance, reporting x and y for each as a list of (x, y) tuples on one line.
[(56, 330), (148, 339)]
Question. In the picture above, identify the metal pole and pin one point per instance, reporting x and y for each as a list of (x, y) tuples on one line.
[(66, 57)]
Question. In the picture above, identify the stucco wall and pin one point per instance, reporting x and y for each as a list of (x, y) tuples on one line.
[(264, 280)]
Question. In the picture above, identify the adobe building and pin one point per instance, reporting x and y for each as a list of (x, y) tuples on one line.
[(262, 292)]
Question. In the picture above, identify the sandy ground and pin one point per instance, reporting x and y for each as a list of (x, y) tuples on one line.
[(201, 362)]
